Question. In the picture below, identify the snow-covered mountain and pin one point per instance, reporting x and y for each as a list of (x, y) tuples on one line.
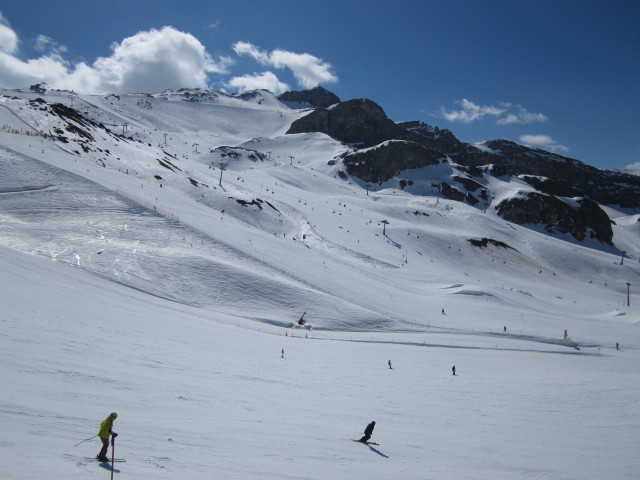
[(170, 218)]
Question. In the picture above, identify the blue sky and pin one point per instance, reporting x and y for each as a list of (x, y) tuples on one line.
[(561, 75)]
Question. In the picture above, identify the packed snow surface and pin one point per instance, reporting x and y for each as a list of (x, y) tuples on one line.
[(161, 270)]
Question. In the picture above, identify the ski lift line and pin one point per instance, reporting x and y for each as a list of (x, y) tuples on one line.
[(110, 110), (291, 196), (280, 204), (22, 120)]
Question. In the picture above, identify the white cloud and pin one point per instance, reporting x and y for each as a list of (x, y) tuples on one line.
[(266, 80), (633, 168), (505, 113), (8, 38), (47, 44), (542, 141), (149, 61), (156, 60), (470, 112), (246, 48), (521, 116), (308, 70)]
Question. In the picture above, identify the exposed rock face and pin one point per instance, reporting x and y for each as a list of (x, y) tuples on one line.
[(485, 242), (453, 193), (562, 175), (551, 187), (376, 165), (433, 137), (317, 97), (359, 122), (363, 123), (555, 214)]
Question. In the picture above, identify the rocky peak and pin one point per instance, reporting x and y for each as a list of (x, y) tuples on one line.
[(433, 137), (317, 97), (409, 145), (360, 122)]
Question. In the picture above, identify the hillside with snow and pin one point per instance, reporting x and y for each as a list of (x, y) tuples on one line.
[(157, 252)]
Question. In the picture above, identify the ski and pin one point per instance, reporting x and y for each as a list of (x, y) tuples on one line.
[(365, 443), (108, 461)]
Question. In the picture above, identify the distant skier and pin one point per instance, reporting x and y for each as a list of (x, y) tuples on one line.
[(105, 431), (566, 335), (617, 346), (390, 365), (282, 353), (505, 329), (453, 370), (368, 432), (443, 312)]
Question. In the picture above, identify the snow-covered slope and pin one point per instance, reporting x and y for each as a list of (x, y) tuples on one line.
[(192, 213)]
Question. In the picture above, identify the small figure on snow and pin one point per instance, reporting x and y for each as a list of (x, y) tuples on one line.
[(282, 353), (505, 329), (105, 431), (566, 335), (617, 346), (390, 365), (453, 370), (443, 312), (368, 432)]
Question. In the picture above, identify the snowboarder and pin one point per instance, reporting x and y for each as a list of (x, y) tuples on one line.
[(368, 432), (453, 370), (105, 431), (390, 365)]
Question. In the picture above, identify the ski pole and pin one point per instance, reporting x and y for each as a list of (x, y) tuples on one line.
[(85, 440), (113, 455)]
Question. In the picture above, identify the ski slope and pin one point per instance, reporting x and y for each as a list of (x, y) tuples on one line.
[(171, 299)]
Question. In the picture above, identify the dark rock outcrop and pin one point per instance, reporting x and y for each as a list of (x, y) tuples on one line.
[(359, 122), (363, 123), (377, 165), (438, 139), (558, 215), (401, 146), (453, 193), (564, 176), (485, 242), (317, 97), (551, 187)]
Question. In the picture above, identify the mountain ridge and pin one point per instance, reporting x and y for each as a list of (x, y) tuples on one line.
[(224, 169), (363, 124)]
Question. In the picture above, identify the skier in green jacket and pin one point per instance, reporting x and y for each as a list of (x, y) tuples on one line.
[(105, 431)]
